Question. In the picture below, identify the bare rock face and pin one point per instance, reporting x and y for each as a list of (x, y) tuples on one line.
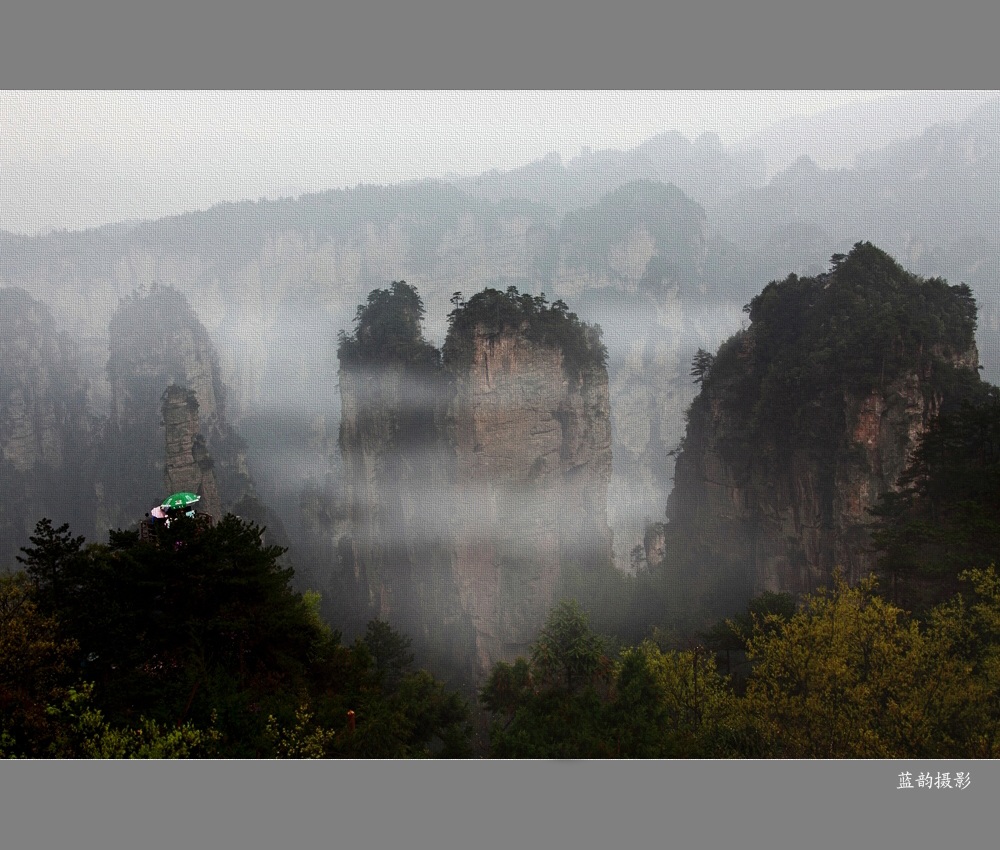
[(188, 466), (394, 552), (395, 534), (158, 346), (533, 462), (637, 262), (156, 339), (396, 469), (805, 420), (46, 436), (787, 528), (36, 384), (470, 486)]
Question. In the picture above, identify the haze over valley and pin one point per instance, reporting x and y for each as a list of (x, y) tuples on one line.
[(677, 360)]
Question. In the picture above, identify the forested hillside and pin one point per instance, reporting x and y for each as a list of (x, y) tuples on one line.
[(580, 458)]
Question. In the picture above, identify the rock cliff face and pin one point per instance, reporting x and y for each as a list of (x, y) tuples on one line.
[(46, 436), (395, 536), (156, 339), (784, 528), (532, 466), (637, 262), (38, 382), (187, 466), (804, 421), (396, 476), (469, 487), (158, 343), (268, 281)]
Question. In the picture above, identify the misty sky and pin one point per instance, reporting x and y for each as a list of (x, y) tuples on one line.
[(79, 159)]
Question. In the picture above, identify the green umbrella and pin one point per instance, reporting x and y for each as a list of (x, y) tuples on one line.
[(180, 500)]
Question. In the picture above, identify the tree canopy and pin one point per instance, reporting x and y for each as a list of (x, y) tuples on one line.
[(813, 341), (494, 312), (200, 632), (843, 674), (945, 516), (387, 329)]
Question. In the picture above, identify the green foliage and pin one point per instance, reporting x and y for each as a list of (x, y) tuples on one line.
[(53, 562), (608, 596), (198, 644), (387, 329), (416, 718), (852, 676), (944, 519), (571, 701), (567, 653), (84, 733), (728, 638), (671, 704), (552, 706), (390, 653), (304, 739), (36, 667), (494, 312), (701, 365), (813, 341), (766, 611), (845, 674), (207, 653)]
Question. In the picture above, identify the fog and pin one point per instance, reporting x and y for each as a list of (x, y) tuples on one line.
[(74, 160), (656, 216)]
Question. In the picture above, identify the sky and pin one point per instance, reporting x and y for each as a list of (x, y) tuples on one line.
[(74, 160)]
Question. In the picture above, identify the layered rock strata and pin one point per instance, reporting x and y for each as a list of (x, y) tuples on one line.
[(188, 466), (470, 487), (532, 466), (804, 421)]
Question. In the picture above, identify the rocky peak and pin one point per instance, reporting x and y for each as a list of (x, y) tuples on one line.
[(46, 436), (164, 373), (532, 440), (188, 466), (40, 388), (805, 419), (471, 485), (156, 339), (394, 528)]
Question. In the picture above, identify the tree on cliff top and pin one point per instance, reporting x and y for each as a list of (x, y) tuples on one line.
[(813, 341), (387, 329), (494, 312)]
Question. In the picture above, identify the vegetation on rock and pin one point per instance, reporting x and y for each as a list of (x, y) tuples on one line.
[(811, 342), (387, 329), (944, 517), (492, 312)]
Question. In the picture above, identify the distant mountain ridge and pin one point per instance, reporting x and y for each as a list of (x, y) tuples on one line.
[(661, 245)]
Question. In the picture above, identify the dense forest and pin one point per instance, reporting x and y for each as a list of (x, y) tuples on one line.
[(195, 646), (192, 640), (192, 644), (667, 480)]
